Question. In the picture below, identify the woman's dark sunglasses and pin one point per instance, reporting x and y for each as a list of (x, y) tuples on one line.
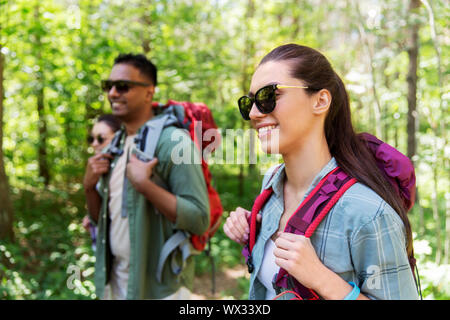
[(99, 138), (265, 100), (122, 86)]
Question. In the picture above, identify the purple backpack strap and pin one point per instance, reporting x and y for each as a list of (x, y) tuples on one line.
[(397, 168), (304, 221), (307, 218)]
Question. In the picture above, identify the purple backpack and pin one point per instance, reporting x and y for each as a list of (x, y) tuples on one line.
[(396, 167)]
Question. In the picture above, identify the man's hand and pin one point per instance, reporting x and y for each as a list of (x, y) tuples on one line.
[(96, 166), (139, 172)]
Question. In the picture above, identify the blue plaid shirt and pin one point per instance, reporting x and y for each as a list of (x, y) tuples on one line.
[(362, 239)]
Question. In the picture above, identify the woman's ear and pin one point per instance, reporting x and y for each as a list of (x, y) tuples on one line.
[(323, 102)]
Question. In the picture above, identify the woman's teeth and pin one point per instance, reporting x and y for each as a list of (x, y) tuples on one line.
[(266, 128)]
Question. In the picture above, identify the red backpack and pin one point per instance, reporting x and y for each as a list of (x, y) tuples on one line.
[(196, 118), (396, 167)]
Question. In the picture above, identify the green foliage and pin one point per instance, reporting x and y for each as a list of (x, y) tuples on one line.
[(227, 253), (205, 51), (49, 239), (434, 279)]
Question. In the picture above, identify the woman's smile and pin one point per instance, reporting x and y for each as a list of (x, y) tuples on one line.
[(265, 130)]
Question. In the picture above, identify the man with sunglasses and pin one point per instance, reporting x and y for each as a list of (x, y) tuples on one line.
[(139, 205)]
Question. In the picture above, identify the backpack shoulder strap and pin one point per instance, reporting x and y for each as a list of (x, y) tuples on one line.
[(114, 146), (148, 138), (147, 141), (260, 201), (179, 240), (319, 202), (308, 216)]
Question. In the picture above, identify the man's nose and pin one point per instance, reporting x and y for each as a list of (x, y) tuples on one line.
[(113, 92)]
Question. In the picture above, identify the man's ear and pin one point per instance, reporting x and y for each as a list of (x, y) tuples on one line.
[(151, 92), (323, 102)]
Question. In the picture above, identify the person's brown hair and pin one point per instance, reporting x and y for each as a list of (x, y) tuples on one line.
[(347, 147), (111, 121)]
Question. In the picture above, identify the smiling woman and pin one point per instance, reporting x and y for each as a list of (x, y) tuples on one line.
[(103, 131), (295, 115), (101, 135), (300, 108), (264, 99)]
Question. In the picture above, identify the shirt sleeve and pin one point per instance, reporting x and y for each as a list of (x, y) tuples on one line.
[(378, 250), (183, 173)]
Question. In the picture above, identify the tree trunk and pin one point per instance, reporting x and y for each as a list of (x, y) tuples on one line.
[(447, 232), (6, 208), (366, 41), (86, 56), (412, 121), (249, 48), (436, 215), (413, 55), (422, 227), (42, 122), (146, 24), (439, 130)]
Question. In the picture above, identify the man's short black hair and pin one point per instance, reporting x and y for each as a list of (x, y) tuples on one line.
[(140, 62)]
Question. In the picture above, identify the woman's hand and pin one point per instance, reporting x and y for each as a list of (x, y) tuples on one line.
[(86, 223), (236, 226), (96, 166), (295, 254)]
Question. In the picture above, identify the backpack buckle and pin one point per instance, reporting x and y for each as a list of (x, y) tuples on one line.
[(250, 265), (116, 151), (278, 289), (274, 284)]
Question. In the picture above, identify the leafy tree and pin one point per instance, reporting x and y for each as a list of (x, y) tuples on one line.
[(53, 54), (6, 209)]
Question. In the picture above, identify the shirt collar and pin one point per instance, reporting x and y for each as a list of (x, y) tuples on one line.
[(277, 181)]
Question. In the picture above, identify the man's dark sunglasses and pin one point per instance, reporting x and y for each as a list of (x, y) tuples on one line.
[(122, 86), (265, 100), (99, 138)]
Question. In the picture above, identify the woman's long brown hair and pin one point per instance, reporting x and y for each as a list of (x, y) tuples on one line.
[(347, 147)]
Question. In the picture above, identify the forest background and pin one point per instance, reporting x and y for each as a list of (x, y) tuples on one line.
[(392, 55)]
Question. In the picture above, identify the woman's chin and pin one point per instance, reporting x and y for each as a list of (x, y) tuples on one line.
[(270, 147)]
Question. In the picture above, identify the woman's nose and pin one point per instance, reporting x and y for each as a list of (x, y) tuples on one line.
[(255, 113)]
